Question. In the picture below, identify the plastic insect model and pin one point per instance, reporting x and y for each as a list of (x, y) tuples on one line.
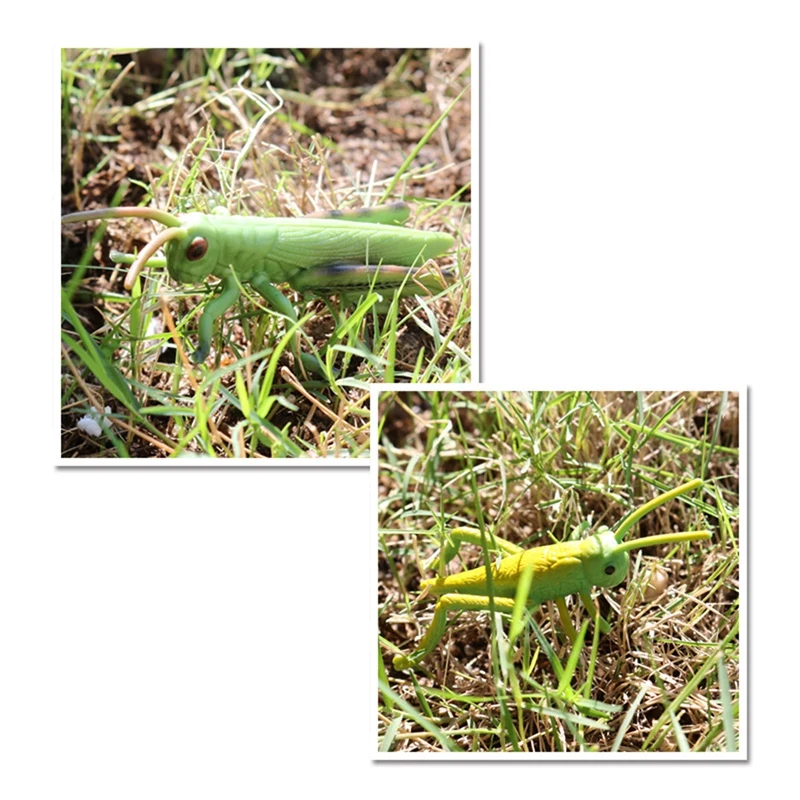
[(335, 253), (553, 571)]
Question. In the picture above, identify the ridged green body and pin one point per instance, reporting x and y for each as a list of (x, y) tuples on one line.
[(558, 570), (278, 248)]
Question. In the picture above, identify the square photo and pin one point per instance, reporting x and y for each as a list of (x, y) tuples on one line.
[(250, 238), (558, 573)]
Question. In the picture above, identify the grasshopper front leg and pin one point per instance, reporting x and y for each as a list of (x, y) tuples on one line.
[(214, 310), (594, 612)]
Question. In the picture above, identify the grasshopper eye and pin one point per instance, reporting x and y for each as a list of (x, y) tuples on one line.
[(609, 570), (197, 249)]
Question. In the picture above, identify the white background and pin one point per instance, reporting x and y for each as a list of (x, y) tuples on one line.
[(209, 633)]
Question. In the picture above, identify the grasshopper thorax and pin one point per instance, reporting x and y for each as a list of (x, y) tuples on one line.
[(603, 563)]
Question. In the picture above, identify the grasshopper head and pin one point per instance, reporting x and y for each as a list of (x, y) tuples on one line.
[(188, 242), (192, 254), (606, 560), (606, 565), (175, 240)]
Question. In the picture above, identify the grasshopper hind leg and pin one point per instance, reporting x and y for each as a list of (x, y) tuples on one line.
[(446, 603), (359, 278)]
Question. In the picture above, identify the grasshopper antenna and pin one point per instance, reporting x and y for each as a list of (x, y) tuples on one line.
[(638, 513), (164, 217), (174, 231)]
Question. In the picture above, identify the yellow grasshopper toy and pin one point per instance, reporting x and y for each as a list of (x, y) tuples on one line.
[(554, 571)]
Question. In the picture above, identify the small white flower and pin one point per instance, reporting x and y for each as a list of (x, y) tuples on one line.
[(92, 422)]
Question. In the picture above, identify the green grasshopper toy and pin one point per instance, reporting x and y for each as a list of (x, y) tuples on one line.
[(555, 571), (338, 252)]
